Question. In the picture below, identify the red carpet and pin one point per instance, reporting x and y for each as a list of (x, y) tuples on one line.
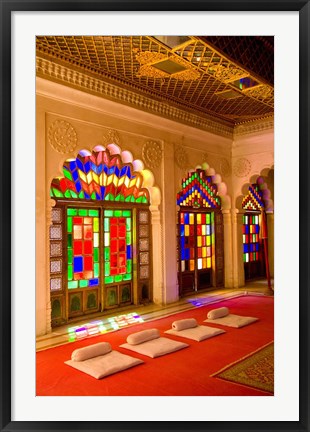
[(184, 373)]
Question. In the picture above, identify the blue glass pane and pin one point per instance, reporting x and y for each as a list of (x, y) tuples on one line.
[(182, 230), (93, 282), (186, 254), (78, 264), (75, 175), (87, 167), (80, 164), (128, 251), (186, 218)]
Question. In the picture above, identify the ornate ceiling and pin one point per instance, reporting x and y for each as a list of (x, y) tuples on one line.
[(220, 79)]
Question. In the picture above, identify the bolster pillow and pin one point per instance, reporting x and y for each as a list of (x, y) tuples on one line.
[(91, 351), (143, 336), (184, 324), (218, 313)]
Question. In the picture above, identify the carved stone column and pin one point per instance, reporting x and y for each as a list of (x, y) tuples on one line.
[(270, 226), (228, 251), (237, 223), (157, 255)]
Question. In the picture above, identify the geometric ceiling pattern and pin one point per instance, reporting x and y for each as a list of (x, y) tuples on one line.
[(229, 79)]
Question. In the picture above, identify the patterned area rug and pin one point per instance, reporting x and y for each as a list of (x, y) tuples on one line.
[(255, 370)]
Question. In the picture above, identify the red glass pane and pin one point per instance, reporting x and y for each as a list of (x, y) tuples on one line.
[(88, 263), (78, 276), (77, 247), (113, 260), (192, 253), (203, 218), (77, 220), (122, 270), (199, 230), (122, 221), (88, 247), (199, 252), (113, 221), (191, 230), (122, 245), (182, 218), (113, 271), (122, 260), (122, 231), (114, 231), (88, 231), (113, 246)]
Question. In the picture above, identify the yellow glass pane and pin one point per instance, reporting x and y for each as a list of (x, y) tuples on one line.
[(204, 252), (203, 230), (208, 240), (89, 177), (199, 218), (199, 241), (208, 262), (192, 265), (191, 218), (204, 263), (186, 230)]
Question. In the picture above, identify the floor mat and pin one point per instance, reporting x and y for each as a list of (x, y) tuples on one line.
[(256, 370)]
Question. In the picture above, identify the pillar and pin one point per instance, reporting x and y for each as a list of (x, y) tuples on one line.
[(228, 252)]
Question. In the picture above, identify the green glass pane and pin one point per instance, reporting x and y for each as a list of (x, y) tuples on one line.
[(106, 224), (83, 283), (108, 213), (57, 193), (70, 272), (67, 194), (69, 240), (212, 217), (70, 256), (93, 212), (128, 238), (109, 197), (117, 213), (69, 224), (126, 213), (96, 270), (93, 196), (72, 212), (128, 266), (73, 194), (109, 279), (96, 224), (51, 193), (118, 278), (126, 277), (96, 254), (144, 200), (120, 198), (83, 212), (107, 269), (128, 224), (81, 195), (208, 219), (67, 174), (73, 284), (106, 253), (128, 199)]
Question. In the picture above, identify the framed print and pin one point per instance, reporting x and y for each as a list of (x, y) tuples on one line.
[(154, 176)]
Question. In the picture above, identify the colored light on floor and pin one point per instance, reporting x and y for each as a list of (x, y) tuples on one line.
[(96, 327)]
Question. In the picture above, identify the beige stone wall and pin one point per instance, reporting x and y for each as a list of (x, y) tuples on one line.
[(69, 120)]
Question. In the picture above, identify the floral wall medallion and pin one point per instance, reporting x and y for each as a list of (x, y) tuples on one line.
[(181, 157), (111, 137), (152, 154), (62, 136), (242, 167)]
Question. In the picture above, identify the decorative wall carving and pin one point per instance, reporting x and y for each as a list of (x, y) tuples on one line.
[(225, 168), (253, 127), (152, 154), (62, 136), (111, 137), (242, 167), (181, 157)]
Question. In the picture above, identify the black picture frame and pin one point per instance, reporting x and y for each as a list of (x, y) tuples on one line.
[(6, 9)]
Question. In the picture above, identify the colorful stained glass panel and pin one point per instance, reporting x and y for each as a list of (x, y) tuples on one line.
[(83, 248), (250, 238)]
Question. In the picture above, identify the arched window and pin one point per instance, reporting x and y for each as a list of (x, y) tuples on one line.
[(100, 237), (200, 234), (253, 250)]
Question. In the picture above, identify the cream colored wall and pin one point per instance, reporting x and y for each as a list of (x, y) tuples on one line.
[(178, 148)]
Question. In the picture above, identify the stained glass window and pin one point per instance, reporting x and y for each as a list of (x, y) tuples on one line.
[(250, 238), (252, 202), (99, 176), (196, 240), (83, 248), (117, 246), (198, 191)]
